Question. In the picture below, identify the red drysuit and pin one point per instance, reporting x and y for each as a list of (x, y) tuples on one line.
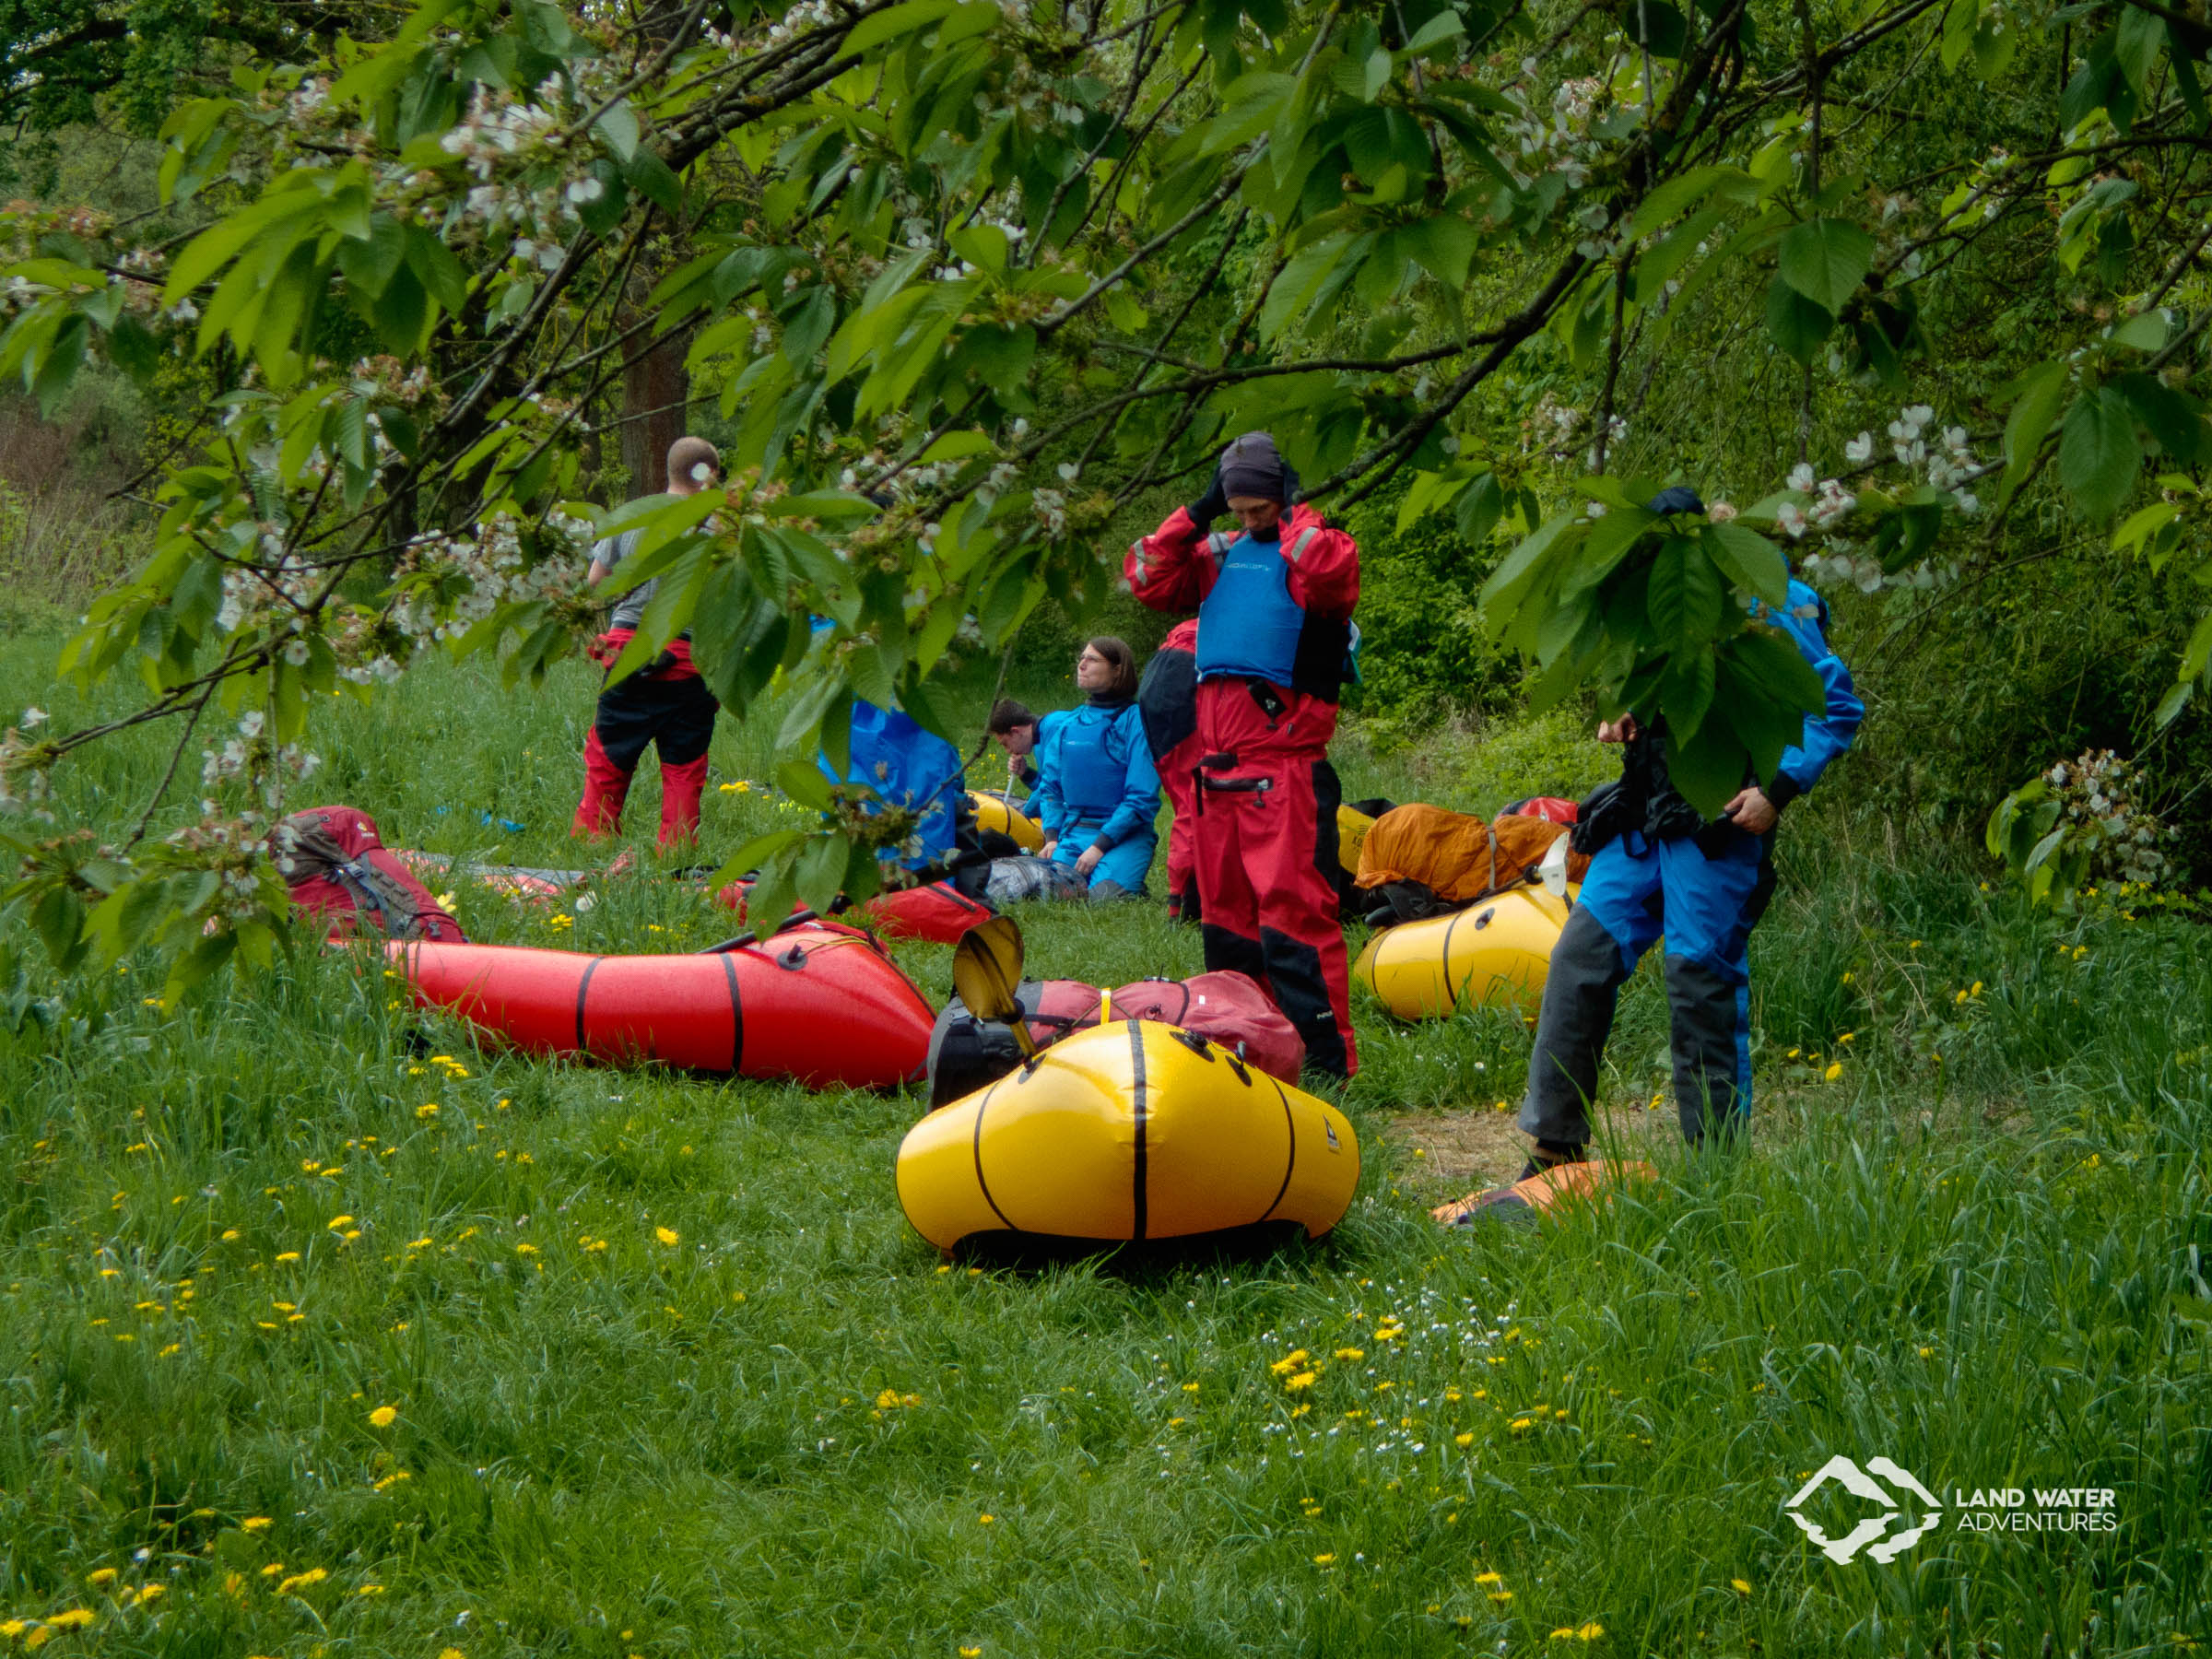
[(1265, 807)]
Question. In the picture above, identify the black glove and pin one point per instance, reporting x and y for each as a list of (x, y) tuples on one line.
[(1291, 486), (1212, 504)]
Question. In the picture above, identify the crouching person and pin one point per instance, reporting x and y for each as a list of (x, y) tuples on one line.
[(1096, 781), (1658, 868)]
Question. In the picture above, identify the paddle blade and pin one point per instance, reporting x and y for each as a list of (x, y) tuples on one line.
[(986, 970)]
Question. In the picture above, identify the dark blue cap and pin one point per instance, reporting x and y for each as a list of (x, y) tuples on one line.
[(1680, 497)]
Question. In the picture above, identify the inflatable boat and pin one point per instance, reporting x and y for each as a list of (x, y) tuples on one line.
[(993, 811), (1127, 1132), (1496, 951), (820, 1004), (937, 912)]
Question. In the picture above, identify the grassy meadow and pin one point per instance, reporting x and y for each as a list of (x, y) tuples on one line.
[(321, 1341)]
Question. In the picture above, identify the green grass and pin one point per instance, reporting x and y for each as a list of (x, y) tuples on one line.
[(783, 1432)]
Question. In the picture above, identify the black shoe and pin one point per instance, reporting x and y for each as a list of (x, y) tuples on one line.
[(1551, 1154)]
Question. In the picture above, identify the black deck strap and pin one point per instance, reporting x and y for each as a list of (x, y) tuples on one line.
[(584, 990), (1137, 1109), (982, 1186), (1291, 1160), (729, 971)]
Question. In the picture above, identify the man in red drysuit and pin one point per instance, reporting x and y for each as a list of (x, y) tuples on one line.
[(1275, 607), (664, 704)]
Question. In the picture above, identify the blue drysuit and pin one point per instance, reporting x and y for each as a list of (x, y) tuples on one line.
[(908, 767), (1097, 786), (1704, 890)]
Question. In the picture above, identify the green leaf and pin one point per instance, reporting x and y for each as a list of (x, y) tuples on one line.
[(1749, 560), (1686, 596), (2174, 420), (2098, 456), (1798, 325), (753, 855), (1707, 766), (617, 124), (820, 873), (890, 24), (2037, 395), (1825, 260)]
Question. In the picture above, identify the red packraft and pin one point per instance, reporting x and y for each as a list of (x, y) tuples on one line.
[(936, 911), (339, 869)]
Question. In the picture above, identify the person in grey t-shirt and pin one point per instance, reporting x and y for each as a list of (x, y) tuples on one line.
[(664, 704)]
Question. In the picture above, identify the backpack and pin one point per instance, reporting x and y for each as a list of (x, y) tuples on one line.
[(1421, 861), (338, 868), (1019, 879), (967, 1053)]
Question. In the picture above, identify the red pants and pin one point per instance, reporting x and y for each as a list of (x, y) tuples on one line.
[(1265, 850), (1179, 782), (672, 711)]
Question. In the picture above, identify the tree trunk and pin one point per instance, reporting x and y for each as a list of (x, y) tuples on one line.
[(654, 385)]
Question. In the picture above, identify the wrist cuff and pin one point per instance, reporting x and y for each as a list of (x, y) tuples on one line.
[(1102, 843), (1784, 790)]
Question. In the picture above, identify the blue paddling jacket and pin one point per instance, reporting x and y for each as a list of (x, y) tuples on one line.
[(1097, 778), (908, 767)]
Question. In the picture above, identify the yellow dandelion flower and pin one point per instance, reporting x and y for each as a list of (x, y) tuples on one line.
[(369, 1590), (985, 1520), (526, 1250), (1590, 1633), (75, 1618), (103, 1575), (1490, 1577), (451, 1653), (230, 1235), (1462, 1441), (1522, 1425), (384, 1417), (1289, 1362), (1303, 1380), (1190, 1388), (147, 1593), (1834, 1070), (1324, 1559), (338, 1223), (666, 1235), (1741, 1586), (1565, 1633), (12, 1628), (40, 1636), (256, 1524), (1502, 1596), (1350, 1353), (288, 1256), (970, 1653)]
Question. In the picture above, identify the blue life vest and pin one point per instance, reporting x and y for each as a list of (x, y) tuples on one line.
[(1092, 780), (1249, 625)]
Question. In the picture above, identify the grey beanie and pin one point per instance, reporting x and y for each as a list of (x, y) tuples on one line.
[(1253, 467)]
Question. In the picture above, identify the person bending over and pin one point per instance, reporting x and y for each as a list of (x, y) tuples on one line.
[(1168, 697), (1097, 787), (1659, 869), (1275, 605), (1019, 732), (664, 703)]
